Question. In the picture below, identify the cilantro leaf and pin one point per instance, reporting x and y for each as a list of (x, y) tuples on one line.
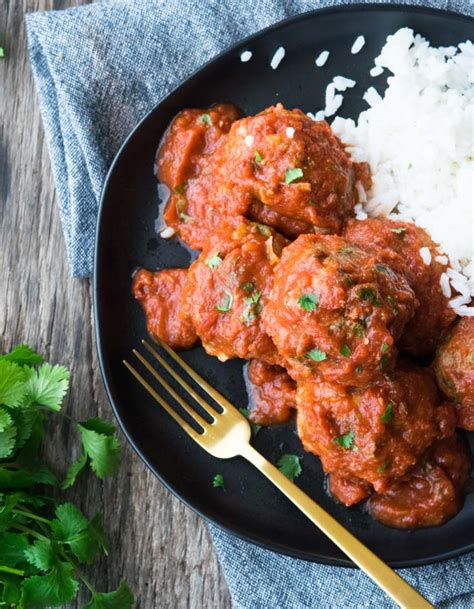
[(226, 304), (398, 231), (12, 384), (346, 350), (345, 441), (316, 355), (388, 413), (258, 156), (23, 356), (87, 544), (218, 481), (13, 546), (5, 419), (292, 174), (7, 442), (290, 466), (69, 522), (74, 470), (206, 119), (122, 598), (309, 302), (384, 348), (100, 445), (47, 385), (255, 428), (41, 554), (55, 588), (214, 260)]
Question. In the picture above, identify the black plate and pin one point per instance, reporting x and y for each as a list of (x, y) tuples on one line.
[(251, 508)]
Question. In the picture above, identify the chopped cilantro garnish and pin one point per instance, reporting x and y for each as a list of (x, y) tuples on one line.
[(214, 260), (255, 428), (398, 231), (359, 370), (247, 287), (346, 250), (218, 481), (316, 355), (179, 190), (226, 304), (393, 305), (388, 413), (369, 295), (312, 202), (359, 328), (384, 361), (258, 156), (180, 207), (309, 302), (383, 468), (206, 119), (384, 348), (253, 308), (381, 268), (290, 466), (292, 174), (263, 229), (345, 350), (253, 299), (345, 441)]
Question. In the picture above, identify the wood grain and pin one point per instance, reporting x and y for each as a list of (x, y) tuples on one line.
[(160, 547)]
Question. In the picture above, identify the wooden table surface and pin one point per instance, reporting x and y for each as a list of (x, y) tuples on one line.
[(160, 547)]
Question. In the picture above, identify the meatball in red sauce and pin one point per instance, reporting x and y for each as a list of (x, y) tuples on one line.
[(226, 291), (160, 294), (336, 311), (454, 366), (399, 244), (375, 433), (429, 494), (272, 393)]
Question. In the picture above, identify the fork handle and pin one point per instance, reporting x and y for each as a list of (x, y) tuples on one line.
[(396, 587)]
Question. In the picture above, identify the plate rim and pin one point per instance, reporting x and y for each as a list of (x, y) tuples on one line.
[(238, 532)]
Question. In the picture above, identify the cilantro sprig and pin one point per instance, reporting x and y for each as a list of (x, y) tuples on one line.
[(43, 544)]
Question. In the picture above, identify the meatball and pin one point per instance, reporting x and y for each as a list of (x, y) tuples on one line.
[(160, 294), (454, 366), (374, 433), (399, 244), (278, 167), (336, 311), (272, 393), (184, 152), (349, 490), (430, 493), (226, 289)]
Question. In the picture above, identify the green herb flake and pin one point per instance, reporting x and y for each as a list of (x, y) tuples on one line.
[(384, 467), (2, 52), (393, 305), (290, 466), (384, 348), (359, 328), (253, 299), (369, 295), (381, 268), (226, 304), (309, 302), (218, 481), (345, 441), (255, 428), (312, 202), (346, 250), (247, 287), (398, 231), (180, 207), (359, 370), (206, 119), (345, 351), (384, 361), (316, 355), (214, 260), (388, 413), (258, 156), (180, 189), (263, 229), (292, 174)]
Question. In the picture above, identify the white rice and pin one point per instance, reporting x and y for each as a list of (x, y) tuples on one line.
[(245, 56), (332, 101), (425, 255), (277, 57), (167, 232), (319, 116), (376, 71), (418, 140), (290, 132), (358, 44), (342, 83), (322, 58)]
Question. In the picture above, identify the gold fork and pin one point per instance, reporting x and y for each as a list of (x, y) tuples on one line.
[(229, 436)]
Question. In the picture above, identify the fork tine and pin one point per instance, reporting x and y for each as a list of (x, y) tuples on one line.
[(182, 382), (202, 422), (192, 432), (215, 395)]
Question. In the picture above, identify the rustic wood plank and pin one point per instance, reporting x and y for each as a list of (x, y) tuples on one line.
[(160, 547)]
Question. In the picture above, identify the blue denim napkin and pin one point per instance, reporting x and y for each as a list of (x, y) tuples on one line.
[(99, 69)]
